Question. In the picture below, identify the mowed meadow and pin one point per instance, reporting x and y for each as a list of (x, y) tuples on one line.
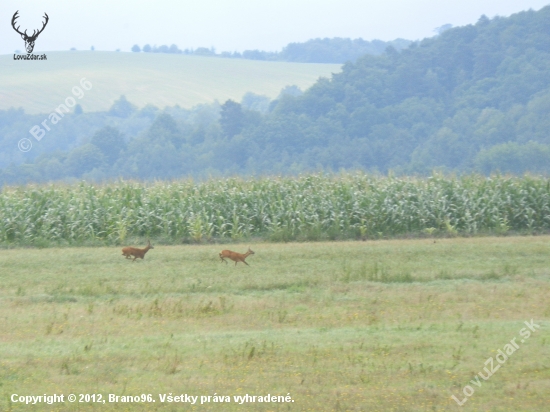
[(364, 293), (386, 325)]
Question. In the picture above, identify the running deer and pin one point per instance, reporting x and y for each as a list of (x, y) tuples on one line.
[(136, 252), (235, 257)]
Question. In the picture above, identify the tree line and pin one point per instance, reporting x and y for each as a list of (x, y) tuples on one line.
[(335, 50)]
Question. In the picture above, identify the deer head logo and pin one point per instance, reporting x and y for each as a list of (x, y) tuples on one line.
[(29, 40)]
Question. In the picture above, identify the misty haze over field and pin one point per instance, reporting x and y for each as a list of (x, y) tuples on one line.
[(238, 25), (383, 166), (473, 98)]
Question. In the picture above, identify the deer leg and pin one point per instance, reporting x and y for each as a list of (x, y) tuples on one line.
[(246, 263)]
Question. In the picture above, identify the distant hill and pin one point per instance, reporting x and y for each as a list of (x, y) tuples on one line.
[(337, 50), (326, 50), (145, 78), (473, 99)]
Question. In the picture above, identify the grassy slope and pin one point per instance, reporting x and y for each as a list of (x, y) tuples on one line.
[(159, 79), (302, 319)]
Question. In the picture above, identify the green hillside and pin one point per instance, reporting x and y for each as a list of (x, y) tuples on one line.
[(158, 79), (473, 99)]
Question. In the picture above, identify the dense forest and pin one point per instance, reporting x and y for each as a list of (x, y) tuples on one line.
[(474, 98)]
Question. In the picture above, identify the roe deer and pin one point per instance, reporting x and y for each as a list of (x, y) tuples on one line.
[(136, 252), (234, 256)]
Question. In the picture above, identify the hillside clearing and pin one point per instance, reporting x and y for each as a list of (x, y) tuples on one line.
[(146, 78)]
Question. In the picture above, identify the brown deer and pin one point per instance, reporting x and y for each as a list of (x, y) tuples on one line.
[(136, 252), (235, 257)]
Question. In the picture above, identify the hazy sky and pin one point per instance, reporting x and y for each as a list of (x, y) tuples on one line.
[(236, 25)]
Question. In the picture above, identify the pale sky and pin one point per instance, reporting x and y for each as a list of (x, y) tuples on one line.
[(235, 25)]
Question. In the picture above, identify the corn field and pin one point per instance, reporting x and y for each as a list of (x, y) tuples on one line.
[(310, 207)]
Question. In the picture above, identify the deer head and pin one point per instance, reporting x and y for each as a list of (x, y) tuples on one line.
[(29, 40)]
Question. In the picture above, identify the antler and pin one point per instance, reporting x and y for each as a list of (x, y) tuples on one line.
[(15, 17), (43, 25), (34, 33)]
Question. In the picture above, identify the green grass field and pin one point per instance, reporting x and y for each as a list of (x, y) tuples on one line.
[(159, 79), (388, 325)]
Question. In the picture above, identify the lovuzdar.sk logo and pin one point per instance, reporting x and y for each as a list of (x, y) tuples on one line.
[(29, 40)]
